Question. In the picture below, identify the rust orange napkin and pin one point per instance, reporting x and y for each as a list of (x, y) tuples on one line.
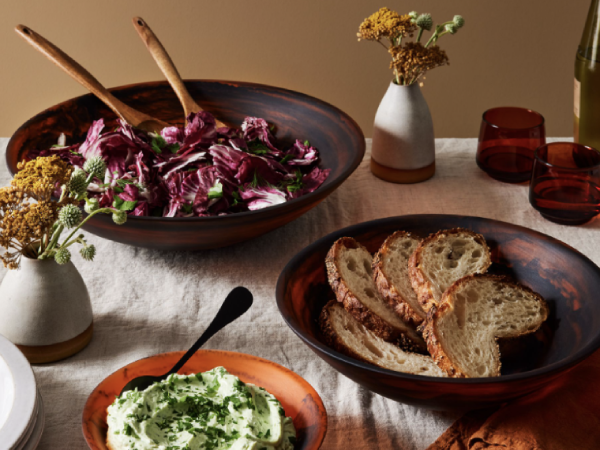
[(565, 416)]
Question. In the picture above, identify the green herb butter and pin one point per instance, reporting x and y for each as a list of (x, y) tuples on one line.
[(213, 410)]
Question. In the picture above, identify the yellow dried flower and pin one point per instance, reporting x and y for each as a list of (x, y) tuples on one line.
[(26, 219), (31, 221), (412, 60), (14, 237), (42, 174), (386, 23)]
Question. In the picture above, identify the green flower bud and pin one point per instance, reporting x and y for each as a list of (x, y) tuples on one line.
[(459, 21), (88, 252), (119, 217), (62, 256), (425, 21), (91, 205), (69, 216), (95, 165), (451, 28), (77, 184), (78, 172), (413, 14)]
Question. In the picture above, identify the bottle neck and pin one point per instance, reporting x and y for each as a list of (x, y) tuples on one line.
[(589, 47)]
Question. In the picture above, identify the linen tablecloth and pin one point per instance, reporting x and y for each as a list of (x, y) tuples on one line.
[(147, 302)]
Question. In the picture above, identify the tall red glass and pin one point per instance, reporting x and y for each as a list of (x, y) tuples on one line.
[(565, 184), (507, 141)]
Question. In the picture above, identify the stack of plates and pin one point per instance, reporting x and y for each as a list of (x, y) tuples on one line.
[(21, 408)]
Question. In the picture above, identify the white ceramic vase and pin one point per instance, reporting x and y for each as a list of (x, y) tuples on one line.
[(403, 148), (45, 310)]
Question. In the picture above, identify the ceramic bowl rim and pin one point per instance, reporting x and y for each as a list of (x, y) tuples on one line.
[(309, 388), (355, 161), (319, 347)]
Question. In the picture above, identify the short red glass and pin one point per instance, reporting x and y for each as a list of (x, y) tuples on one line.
[(507, 142), (565, 184)]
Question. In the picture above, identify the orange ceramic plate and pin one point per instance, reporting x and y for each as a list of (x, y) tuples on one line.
[(300, 401)]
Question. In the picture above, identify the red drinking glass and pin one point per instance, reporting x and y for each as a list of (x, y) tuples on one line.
[(565, 184), (507, 142)]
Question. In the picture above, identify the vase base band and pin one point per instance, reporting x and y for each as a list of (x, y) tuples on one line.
[(401, 176), (40, 354)]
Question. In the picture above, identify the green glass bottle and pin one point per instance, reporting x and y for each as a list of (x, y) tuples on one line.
[(587, 81)]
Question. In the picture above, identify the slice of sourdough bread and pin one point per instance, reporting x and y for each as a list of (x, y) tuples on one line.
[(351, 277), (390, 273), (348, 336), (443, 258), (461, 332)]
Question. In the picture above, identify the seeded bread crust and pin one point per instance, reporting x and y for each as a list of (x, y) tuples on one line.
[(331, 337), (386, 287), (435, 341), (420, 282), (354, 306), (334, 340)]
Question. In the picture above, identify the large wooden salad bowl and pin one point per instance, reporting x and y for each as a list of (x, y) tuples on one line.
[(338, 138)]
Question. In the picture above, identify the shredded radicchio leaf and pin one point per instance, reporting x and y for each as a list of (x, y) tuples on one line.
[(194, 171)]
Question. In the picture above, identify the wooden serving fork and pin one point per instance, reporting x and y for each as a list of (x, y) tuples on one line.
[(165, 63), (132, 116)]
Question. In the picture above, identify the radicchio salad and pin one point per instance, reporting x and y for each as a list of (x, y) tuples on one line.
[(195, 171)]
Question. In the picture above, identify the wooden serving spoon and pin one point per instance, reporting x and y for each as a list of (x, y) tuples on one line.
[(165, 63), (235, 305), (132, 116)]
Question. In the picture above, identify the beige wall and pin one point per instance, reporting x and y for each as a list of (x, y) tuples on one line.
[(511, 52)]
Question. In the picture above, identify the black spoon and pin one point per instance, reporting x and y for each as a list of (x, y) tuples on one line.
[(235, 305)]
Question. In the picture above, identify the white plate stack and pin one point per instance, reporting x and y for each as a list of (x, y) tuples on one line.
[(21, 408)]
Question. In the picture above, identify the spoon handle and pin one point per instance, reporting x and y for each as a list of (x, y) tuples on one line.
[(79, 74), (165, 63), (235, 305)]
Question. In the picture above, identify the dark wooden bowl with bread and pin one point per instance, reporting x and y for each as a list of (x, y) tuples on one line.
[(339, 139), (567, 280)]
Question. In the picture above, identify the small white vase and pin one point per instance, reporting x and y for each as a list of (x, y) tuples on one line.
[(45, 310), (403, 149)]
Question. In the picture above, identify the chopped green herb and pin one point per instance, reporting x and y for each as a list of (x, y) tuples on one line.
[(124, 205), (207, 411), (216, 191), (285, 159), (256, 147), (296, 184)]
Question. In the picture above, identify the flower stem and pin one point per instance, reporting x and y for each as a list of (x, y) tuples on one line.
[(104, 210), (420, 34), (437, 34), (68, 244), (443, 33), (62, 193), (383, 44), (53, 242)]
